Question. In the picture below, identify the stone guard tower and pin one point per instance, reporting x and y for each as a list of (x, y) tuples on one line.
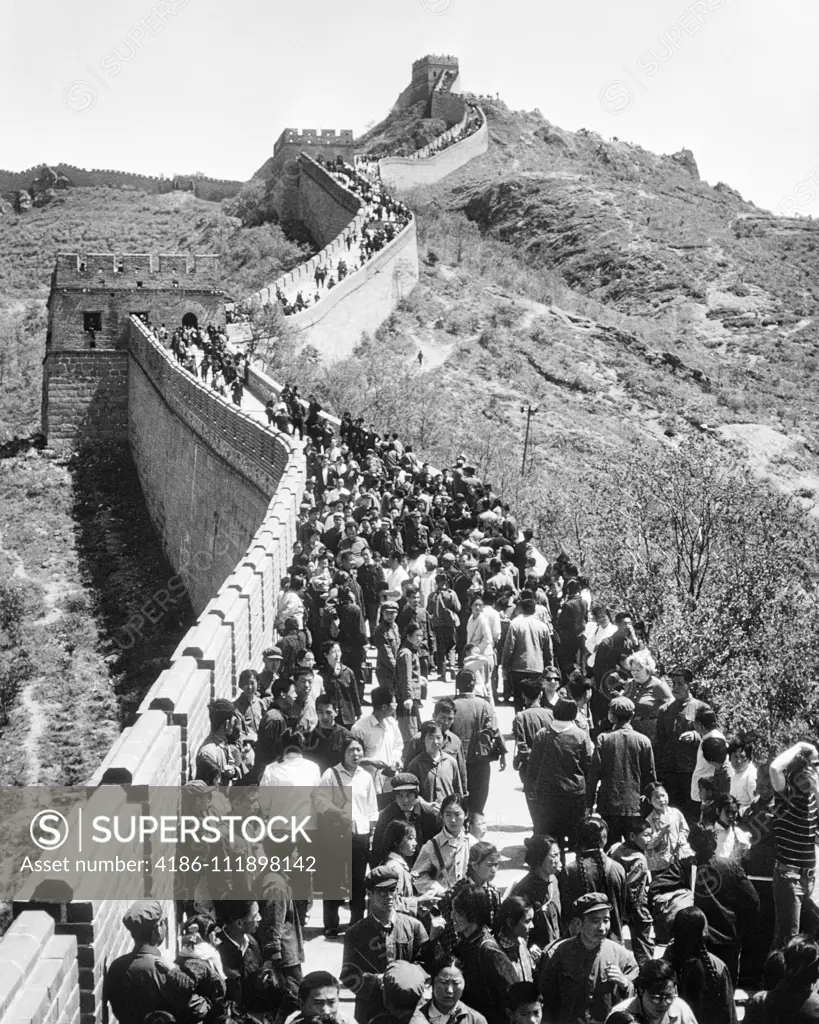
[(85, 370)]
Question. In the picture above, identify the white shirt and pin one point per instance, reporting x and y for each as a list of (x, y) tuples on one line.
[(493, 618), (743, 785), (294, 770), (702, 769), (595, 635), (365, 804), (382, 741), (396, 577)]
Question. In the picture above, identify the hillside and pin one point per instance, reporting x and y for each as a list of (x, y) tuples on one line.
[(105, 220), (627, 296)]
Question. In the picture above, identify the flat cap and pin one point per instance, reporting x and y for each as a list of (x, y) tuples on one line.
[(405, 782), (589, 902), (143, 912), (389, 606), (384, 877), (403, 984), (272, 652)]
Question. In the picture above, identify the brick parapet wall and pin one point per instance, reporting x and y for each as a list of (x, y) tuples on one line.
[(404, 173), (39, 973), (85, 396), (158, 749), (213, 189), (366, 297)]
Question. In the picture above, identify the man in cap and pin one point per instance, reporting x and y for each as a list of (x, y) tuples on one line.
[(623, 764), (218, 761), (403, 987), (587, 975), (676, 741), (386, 639), (444, 610), (407, 805), (272, 658), (141, 982), (377, 940)]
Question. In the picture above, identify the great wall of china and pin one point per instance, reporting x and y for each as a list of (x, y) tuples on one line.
[(224, 493)]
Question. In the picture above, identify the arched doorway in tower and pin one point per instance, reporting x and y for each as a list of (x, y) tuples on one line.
[(189, 320)]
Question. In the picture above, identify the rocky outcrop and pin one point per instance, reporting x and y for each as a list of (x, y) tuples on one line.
[(685, 159)]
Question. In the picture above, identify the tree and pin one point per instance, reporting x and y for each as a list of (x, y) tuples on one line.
[(272, 339)]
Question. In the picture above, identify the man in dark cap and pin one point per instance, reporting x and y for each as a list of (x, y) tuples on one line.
[(377, 940), (272, 657), (587, 975), (623, 764), (444, 610), (403, 987), (676, 740), (386, 640), (141, 982), (406, 805), (218, 761)]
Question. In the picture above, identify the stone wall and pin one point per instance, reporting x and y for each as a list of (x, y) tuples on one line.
[(208, 470), (325, 206), (115, 305), (363, 300), (39, 973), (85, 396), (366, 297), (405, 173), (232, 487), (214, 189)]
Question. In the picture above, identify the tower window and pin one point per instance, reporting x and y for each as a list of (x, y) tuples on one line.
[(92, 321)]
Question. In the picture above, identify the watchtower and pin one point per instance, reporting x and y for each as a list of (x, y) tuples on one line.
[(85, 370), (434, 72)]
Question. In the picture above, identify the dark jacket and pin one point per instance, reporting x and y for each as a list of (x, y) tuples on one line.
[(559, 763), (369, 950), (452, 745), (280, 935), (325, 747), (423, 816), (140, 982), (344, 691), (407, 679), (474, 726), (623, 764), (247, 982), (488, 973)]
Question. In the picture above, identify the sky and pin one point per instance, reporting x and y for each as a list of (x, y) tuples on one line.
[(178, 86)]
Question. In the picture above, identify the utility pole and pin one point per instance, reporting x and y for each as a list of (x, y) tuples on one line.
[(530, 411)]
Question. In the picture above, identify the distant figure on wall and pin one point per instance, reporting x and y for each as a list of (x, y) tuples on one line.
[(420, 358)]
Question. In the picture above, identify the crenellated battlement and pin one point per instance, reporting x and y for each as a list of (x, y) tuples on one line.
[(435, 59), (306, 137), (132, 270)]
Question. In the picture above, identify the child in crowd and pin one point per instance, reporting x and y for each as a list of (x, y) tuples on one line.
[(631, 855), (733, 843), (667, 838), (743, 784)]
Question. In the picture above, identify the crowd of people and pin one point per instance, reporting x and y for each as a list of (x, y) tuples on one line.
[(385, 217), (648, 822), (205, 354)]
